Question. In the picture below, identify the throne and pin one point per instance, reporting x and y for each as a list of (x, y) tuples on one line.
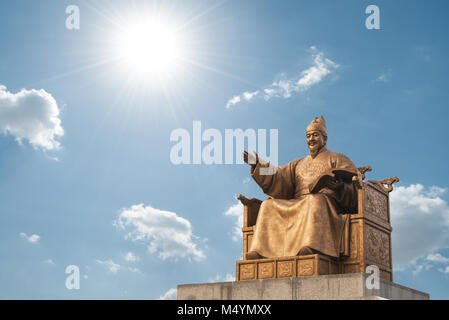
[(366, 239)]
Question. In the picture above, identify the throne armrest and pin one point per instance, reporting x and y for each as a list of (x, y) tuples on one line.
[(250, 210)]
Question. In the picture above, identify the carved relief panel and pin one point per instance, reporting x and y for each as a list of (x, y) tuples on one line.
[(305, 267), (266, 270), (247, 271), (375, 202), (286, 269), (377, 244)]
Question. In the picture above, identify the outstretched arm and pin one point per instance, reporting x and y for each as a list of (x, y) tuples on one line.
[(279, 184)]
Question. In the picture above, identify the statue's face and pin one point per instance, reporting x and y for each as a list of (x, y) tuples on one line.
[(315, 141)]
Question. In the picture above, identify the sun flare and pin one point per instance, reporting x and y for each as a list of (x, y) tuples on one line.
[(149, 48)]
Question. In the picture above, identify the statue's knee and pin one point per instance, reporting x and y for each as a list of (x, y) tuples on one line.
[(265, 204), (319, 198)]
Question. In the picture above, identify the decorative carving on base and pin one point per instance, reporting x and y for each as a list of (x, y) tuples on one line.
[(266, 270), (298, 266), (247, 272), (285, 269), (305, 268)]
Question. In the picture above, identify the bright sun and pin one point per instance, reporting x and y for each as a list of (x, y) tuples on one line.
[(149, 48)]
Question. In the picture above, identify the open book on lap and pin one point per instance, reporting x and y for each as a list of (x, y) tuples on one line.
[(335, 174)]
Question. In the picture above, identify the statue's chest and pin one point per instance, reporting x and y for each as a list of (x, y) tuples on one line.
[(309, 169)]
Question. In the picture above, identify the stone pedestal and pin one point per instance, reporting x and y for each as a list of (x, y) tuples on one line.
[(327, 287)]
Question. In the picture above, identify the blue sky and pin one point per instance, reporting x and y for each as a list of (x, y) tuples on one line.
[(95, 140)]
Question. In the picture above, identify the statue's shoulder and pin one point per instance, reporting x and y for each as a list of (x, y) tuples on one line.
[(295, 162), (338, 155), (341, 159)]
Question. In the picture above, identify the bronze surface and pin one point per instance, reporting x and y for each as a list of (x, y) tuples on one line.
[(316, 204)]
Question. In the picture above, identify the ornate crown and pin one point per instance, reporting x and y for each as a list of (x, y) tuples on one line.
[(318, 124)]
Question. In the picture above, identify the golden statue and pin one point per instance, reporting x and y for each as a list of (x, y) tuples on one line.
[(307, 196)]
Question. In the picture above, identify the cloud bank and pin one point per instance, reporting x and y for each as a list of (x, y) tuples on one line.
[(420, 221), (236, 211), (286, 87), (31, 115), (165, 232), (169, 295), (219, 278)]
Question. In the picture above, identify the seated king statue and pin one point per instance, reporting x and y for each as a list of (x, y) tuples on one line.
[(306, 199)]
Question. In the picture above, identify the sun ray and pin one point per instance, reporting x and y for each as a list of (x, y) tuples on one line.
[(203, 13), (75, 71), (220, 72)]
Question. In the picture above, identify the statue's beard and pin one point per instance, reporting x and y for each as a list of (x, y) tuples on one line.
[(315, 149)]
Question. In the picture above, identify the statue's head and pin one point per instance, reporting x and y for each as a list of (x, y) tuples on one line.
[(316, 135)]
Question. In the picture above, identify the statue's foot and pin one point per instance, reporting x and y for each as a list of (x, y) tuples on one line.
[(306, 251), (253, 255)]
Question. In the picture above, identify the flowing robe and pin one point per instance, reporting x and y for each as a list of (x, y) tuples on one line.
[(293, 217)]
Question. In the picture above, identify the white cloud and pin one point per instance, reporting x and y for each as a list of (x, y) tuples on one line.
[(34, 238), (438, 258), (31, 115), (269, 92), (317, 72), (112, 267), (131, 257), (232, 101), (383, 78), (249, 95), (49, 261), (286, 87), (166, 233), (431, 261), (133, 269), (427, 263), (445, 270), (420, 221), (218, 278), (435, 191), (421, 267), (169, 295), (236, 211)]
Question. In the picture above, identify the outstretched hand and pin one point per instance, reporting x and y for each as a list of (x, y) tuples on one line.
[(250, 158)]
